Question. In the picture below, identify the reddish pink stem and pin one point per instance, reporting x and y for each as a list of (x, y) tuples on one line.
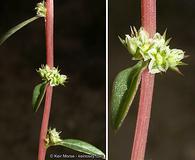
[(44, 126), (50, 61), (49, 27), (148, 14)]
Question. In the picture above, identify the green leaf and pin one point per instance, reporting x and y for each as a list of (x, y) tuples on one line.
[(81, 146), (38, 94), (13, 30), (124, 90)]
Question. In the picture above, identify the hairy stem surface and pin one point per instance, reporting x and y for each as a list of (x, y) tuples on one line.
[(49, 27), (148, 20)]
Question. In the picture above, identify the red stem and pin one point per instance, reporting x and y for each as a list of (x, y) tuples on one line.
[(50, 61), (49, 27), (148, 14)]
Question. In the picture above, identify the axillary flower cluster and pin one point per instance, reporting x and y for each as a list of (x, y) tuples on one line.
[(41, 9), (53, 137), (51, 75), (155, 50)]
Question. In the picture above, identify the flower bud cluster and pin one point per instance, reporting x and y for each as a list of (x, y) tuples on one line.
[(52, 137), (41, 9), (155, 50), (52, 75)]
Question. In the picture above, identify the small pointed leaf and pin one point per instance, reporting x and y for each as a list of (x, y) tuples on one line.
[(168, 41), (124, 90), (165, 33), (122, 41), (176, 69), (38, 94), (82, 147), (13, 30)]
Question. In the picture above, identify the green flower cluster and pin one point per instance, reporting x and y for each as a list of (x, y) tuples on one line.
[(52, 137), (41, 9), (52, 76), (155, 51)]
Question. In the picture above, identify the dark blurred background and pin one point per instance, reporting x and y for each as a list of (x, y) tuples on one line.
[(172, 127), (78, 109)]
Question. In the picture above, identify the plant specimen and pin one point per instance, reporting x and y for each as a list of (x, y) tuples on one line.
[(151, 53), (154, 55), (51, 77)]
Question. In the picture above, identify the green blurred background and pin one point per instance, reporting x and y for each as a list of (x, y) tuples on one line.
[(172, 127), (78, 109)]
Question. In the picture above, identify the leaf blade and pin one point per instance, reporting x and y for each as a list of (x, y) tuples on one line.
[(124, 90), (13, 30), (38, 94), (81, 146)]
